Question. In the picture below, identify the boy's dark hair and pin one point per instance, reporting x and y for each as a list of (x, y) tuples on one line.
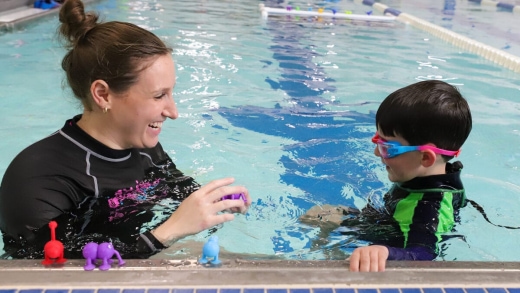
[(429, 111)]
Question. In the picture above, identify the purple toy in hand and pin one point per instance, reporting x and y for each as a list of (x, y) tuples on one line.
[(235, 196), (104, 251)]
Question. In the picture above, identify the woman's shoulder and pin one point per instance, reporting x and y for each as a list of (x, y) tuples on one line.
[(42, 149), (37, 159)]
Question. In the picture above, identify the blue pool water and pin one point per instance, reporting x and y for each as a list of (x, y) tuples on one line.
[(286, 106)]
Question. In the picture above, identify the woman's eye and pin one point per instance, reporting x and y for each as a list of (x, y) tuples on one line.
[(160, 96)]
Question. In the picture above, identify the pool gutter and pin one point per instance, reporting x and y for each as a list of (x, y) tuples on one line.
[(158, 273)]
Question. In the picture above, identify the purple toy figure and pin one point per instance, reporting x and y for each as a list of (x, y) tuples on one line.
[(210, 250), (235, 196), (104, 251), (90, 254)]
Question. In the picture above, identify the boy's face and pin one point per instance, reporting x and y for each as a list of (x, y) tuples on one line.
[(403, 167)]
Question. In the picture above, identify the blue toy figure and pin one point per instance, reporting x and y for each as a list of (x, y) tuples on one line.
[(210, 251), (46, 4)]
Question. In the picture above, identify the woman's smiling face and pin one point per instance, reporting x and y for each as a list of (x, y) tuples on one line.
[(138, 114)]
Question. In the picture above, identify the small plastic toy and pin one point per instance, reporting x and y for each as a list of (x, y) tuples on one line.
[(235, 196), (46, 4), (104, 251), (53, 249), (210, 252)]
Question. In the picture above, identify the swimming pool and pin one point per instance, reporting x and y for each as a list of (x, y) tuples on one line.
[(286, 106)]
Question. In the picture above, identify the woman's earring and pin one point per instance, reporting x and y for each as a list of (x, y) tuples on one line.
[(105, 110)]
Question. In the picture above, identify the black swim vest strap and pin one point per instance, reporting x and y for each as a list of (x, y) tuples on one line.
[(483, 213)]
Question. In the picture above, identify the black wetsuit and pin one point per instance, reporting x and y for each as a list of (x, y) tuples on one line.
[(93, 192), (417, 214)]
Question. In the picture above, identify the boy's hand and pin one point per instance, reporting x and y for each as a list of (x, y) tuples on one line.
[(369, 259)]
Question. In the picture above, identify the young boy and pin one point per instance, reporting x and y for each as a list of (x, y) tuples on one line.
[(419, 129)]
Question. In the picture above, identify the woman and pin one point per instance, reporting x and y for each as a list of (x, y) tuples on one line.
[(104, 176)]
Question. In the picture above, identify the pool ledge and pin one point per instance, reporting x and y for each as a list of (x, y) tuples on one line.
[(158, 273), (20, 16), (11, 18)]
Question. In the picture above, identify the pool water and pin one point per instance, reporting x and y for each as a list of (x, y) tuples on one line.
[(286, 106)]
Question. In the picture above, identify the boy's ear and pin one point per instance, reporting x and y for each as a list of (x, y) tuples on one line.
[(428, 158)]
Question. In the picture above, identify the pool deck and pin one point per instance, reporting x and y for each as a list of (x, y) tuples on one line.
[(18, 17), (238, 273), (11, 18)]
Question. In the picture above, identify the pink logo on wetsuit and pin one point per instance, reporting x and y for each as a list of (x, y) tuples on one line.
[(139, 194)]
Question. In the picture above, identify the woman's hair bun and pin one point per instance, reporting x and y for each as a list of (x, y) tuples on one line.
[(75, 23)]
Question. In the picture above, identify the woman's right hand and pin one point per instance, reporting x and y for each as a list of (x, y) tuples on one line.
[(203, 209)]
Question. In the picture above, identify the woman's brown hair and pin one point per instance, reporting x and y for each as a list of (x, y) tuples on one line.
[(111, 51)]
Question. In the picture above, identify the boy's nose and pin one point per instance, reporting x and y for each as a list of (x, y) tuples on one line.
[(376, 152)]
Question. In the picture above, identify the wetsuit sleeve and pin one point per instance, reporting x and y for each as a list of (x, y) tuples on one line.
[(147, 243), (410, 253)]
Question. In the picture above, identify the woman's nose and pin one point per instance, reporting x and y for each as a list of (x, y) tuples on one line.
[(170, 110)]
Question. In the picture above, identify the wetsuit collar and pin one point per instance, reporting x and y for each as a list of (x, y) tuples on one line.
[(450, 179), (72, 129)]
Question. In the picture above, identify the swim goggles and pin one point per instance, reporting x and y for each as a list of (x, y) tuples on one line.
[(391, 149)]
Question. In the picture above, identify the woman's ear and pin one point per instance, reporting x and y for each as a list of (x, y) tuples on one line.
[(100, 93), (428, 158)]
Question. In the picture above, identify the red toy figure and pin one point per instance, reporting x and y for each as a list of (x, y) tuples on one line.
[(53, 249)]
